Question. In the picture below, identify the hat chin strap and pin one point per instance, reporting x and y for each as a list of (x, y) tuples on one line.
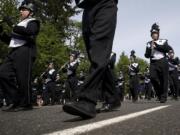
[(28, 16)]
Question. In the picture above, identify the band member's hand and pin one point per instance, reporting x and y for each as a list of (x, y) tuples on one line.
[(15, 29), (153, 44)]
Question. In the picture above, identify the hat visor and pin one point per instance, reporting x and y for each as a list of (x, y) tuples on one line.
[(22, 7)]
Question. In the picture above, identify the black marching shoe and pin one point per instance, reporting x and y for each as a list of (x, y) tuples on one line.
[(84, 109), (109, 107), (163, 100)]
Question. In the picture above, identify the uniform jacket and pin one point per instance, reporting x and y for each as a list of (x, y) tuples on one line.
[(162, 47), (27, 33)]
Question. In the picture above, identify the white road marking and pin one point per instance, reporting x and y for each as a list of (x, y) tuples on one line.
[(97, 125)]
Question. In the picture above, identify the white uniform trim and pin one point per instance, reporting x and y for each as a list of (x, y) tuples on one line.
[(147, 80), (157, 55), (69, 72), (17, 42), (135, 65), (51, 71)]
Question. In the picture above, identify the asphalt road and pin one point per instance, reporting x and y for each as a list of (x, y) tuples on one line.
[(49, 119)]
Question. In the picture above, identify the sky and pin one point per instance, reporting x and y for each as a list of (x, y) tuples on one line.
[(135, 18)]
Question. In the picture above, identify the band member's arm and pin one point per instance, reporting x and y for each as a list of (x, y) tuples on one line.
[(74, 67), (164, 48), (53, 76), (136, 70), (64, 68), (148, 51), (31, 29), (27, 33)]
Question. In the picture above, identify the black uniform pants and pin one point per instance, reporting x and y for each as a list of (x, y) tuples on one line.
[(159, 75), (99, 23), (120, 90), (133, 86), (173, 83), (148, 90), (72, 84), (49, 92), (15, 76)]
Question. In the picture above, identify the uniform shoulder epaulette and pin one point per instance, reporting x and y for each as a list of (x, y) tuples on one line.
[(163, 39)]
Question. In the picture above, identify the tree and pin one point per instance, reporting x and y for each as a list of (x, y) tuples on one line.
[(56, 30), (55, 21), (143, 64), (56, 12), (50, 48), (8, 8), (75, 41), (123, 65)]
